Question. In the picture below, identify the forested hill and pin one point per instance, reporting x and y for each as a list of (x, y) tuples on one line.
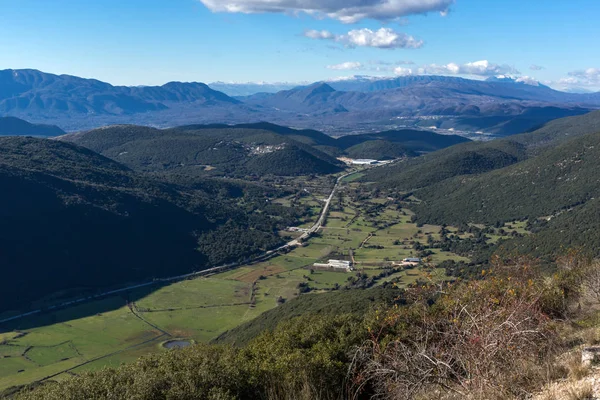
[(556, 192), (548, 178), (250, 149), (556, 180), (463, 159), (220, 150), (11, 126), (78, 222), (480, 157), (414, 140)]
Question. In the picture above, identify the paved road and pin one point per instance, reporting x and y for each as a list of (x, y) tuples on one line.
[(210, 271)]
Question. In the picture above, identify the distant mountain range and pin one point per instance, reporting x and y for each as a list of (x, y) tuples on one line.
[(345, 106), (250, 88)]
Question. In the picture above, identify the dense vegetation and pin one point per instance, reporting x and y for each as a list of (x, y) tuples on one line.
[(201, 150), (76, 221), (417, 141), (546, 177), (250, 149), (499, 337), (462, 159), (556, 180), (480, 157), (379, 150), (329, 304)]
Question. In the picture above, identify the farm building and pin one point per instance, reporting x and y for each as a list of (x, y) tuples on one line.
[(412, 260), (365, 162), (337, 265)]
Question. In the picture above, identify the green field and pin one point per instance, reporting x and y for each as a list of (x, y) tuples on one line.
[(123, 327)]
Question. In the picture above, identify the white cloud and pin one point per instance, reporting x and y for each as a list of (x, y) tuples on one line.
[(391, 63), (322, 35), (347, 11), (534, 67), (590, 76), (581, 79), (528, 80), (384, 38), (478, 68), (401, 71), (351, 65)]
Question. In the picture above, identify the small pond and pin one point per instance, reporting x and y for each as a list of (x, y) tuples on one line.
[(177, 344)]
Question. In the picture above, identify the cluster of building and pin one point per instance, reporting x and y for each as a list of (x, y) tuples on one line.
[(296, 229), (336, 265), (410, 262)]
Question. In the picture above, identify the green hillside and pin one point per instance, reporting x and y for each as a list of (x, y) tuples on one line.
[(463, 159), (359, 301), (379, 150), (76, 221), (210, 150), (306, 136), (417, 141), (556, 180), (560, 130), (479, 157)]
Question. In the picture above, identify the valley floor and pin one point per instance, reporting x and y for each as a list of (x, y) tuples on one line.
[(375, 233)]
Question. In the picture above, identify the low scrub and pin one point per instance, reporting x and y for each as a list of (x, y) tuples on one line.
[(497, 337)]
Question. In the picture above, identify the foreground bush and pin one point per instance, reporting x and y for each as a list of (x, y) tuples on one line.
[(497, 337), (490, 338)]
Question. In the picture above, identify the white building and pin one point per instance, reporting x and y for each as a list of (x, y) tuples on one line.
[(338, 265), (364, 162)]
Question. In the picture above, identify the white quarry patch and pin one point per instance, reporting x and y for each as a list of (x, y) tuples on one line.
[(257, 150)]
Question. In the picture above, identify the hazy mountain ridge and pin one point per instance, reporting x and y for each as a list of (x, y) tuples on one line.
[(76, 103), (26, 91), (11, 126)]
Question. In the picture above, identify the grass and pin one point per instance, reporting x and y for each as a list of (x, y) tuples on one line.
[(106, 332)]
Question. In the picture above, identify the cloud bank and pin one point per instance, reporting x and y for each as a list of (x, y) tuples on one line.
[(383, 38), (481, 68), (585, 78), (347, 66), (478, 68), (347, 11)]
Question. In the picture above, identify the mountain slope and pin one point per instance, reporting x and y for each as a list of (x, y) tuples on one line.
[(556, 180), (75, 103), (418, 141), (480, 157), (357, 301), (463, 159), (78, 222), (31, 91), (379, 150)]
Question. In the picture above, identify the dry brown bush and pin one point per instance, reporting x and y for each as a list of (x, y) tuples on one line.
[(491, 338)]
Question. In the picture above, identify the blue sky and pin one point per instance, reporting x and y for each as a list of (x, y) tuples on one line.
[(149, 42)]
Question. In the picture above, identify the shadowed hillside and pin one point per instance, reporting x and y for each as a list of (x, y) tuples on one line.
[(77, 222)]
